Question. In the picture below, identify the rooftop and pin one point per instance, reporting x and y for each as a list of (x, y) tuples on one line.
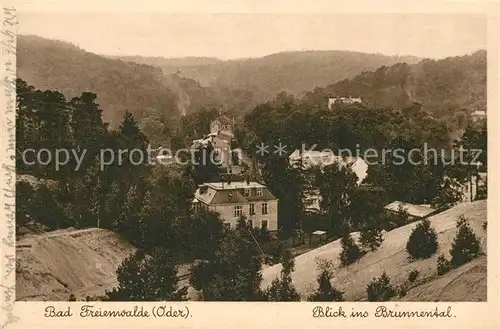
[(417, 210), (479, 113), (233, 185)]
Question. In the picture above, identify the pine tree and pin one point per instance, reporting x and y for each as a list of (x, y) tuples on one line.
[(232, 272), (148, 278), (423, 241), (443, 265), (350, 250), (326, 292), (282, 288), (96, 202), (380, 289), (371, 238), (466, 245)]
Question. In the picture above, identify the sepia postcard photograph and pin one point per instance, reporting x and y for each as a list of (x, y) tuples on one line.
[(325, 158)]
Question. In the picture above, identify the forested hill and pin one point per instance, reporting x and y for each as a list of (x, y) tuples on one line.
[(293, 71), (441, 86), (173, 63), (56, 65)]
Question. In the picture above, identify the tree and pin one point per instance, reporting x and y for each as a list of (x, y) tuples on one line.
[(408, 177), (275, 251), (282, 288), (423, 241), (285, 183), (371, 238), (443, 265), (325, 291), (337, 184), (87, 126), (350, 250), (148, 278), (466, 245), (24, 203), (232, 272), (380, 289), (448, 194)]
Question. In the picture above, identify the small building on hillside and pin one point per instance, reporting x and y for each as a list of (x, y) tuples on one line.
[(413, 211), (233, 200), (478, 116), (343, 100)]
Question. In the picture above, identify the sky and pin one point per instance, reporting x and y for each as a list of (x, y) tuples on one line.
[(229, 36)]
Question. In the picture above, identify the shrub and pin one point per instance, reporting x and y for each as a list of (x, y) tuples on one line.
[(413, 275), (274, 250), (485, 226), (350, 250), (380, 289), (403, 289), (326, 292), (371, 238), (72, 298), (466, 245), (282, 288), (443, 265), (423, 241)]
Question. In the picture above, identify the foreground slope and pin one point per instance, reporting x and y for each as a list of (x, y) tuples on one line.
[(53, 265), (391, 257), (466, 283)]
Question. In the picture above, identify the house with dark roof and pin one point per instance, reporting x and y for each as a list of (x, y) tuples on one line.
[(233, 200)]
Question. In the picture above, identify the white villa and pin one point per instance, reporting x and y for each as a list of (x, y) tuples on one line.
[(344, 100), (233, 200), (310, 159)]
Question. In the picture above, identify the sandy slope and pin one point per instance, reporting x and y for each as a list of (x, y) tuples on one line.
[(466, 283), (391, 257), (52, 265)]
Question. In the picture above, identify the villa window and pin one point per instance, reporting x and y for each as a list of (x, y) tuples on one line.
[(252, 209), (238, 211), (264, 209), (259, 192), (246, 192)]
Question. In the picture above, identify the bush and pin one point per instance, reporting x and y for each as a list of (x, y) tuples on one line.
[(350, 250), (326, 292), (423, 241), (274, 250), (72, 298), (485, 226), (403, 289), (466, 245), (282, 288), (413, 275), (371, 238), (380, 289), (443, 265)]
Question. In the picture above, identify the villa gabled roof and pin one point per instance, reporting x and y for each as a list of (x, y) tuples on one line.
[(224, 193)]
